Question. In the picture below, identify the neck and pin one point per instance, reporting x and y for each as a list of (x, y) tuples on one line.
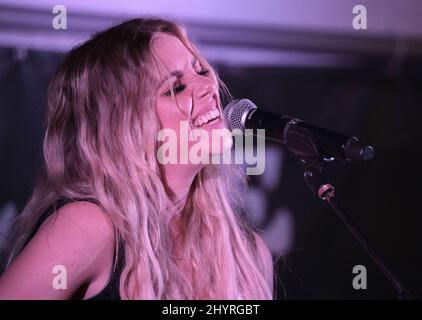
[(178, 179)]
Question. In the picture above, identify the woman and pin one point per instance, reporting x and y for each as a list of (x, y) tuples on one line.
[(115, 221)]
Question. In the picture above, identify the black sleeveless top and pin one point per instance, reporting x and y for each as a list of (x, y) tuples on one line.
[(111, 289)]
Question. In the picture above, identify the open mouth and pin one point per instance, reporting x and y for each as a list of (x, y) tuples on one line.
[(206, 118)]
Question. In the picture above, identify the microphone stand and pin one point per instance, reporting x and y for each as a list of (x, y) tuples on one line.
[(301, 143)]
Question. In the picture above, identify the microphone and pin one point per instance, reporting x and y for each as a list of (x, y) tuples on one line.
[(243, 114)]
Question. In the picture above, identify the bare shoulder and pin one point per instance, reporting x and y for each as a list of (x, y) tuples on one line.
[(86, 218), (78, 225), (78, 237)]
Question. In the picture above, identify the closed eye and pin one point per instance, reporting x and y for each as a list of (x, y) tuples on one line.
[(179, 88), (203, 72), (176, 90)]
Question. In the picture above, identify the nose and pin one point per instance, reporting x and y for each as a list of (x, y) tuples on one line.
[(203, 94), (204, 91)]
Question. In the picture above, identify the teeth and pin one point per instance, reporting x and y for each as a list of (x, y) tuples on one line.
[(206, 117)]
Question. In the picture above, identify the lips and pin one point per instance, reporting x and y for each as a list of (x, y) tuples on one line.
[(206, 117)]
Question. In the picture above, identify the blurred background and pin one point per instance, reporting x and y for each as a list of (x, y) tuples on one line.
[(301, 58)]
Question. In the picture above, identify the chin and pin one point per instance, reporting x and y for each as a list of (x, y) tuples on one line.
[(216, 142), (226, 144)]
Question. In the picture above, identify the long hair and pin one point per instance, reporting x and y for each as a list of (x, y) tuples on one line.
[(100, 142)]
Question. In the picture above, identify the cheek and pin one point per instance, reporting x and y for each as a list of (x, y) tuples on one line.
[(170, 114)]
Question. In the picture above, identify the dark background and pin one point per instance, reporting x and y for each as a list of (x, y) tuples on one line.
[(382, 195)]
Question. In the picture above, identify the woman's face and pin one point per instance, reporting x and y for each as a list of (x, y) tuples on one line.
[(195, 90)]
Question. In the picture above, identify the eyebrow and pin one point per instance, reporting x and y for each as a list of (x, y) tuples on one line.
[(178, 73)]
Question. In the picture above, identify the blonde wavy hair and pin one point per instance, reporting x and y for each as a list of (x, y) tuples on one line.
[(100, 142)]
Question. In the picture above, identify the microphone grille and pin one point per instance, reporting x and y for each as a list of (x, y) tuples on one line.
[(235, 113)]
